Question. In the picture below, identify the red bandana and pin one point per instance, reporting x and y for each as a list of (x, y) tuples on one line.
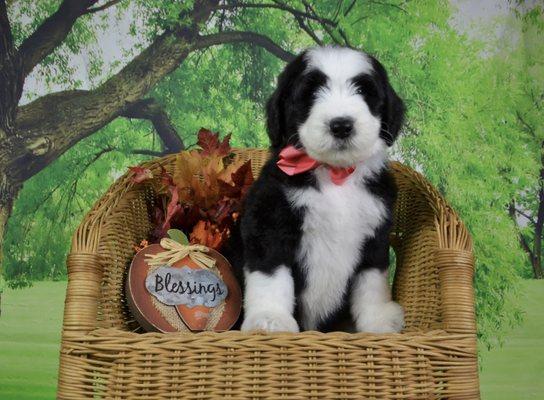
[(294, 161)]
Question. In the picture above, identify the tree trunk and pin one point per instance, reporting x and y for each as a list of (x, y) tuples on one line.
[(8, 192), (537, 269)]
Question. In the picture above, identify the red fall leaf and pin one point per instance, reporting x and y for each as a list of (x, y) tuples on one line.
[(172, 208), (211, 145)]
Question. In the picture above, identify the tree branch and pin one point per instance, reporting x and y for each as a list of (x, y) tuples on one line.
[(95, 158), (52, 124), (383, 3), (71, 195), (525, 215), (522, 240), (525, 246), (308, 30), (279, 6), (51, 33), (102, 7), (11, 81), (326, 27), (147, 152), (247, 37), (345, 38), (339, 4), (6, 37), (528, 127), (149, 109), (349, 8)]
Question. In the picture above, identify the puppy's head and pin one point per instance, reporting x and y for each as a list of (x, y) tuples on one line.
[(337, 103)]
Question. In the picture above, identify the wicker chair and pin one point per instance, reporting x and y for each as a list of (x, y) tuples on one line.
[(105, 355)]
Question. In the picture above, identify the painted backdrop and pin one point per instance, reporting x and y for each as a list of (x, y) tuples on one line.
[(88, 88)]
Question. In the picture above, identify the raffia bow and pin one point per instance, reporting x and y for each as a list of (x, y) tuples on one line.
[(176, 251)]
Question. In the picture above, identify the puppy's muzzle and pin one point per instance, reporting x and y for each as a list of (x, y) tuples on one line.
[(341, 127)]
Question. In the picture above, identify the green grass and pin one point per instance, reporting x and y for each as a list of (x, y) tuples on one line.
[(516, 370), (30, 327), (30, 334)]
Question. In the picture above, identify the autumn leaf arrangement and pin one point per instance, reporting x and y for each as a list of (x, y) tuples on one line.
[(203, 197)]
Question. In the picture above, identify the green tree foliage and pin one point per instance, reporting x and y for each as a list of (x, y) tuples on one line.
[(527, 207), (463, 131)]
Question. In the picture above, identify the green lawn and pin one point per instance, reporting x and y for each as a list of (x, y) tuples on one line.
[(30, 327), (516, 370), (30, 334)]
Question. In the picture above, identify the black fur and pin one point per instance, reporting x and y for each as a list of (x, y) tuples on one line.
[(392, 108)]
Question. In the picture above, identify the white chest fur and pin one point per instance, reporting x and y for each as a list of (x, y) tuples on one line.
[(338, 219)]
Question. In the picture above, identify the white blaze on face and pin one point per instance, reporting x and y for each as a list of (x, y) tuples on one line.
[(339, 98)]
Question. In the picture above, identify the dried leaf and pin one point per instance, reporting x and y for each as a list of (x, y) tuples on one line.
[(166, 178), (187, 217), (236, 181), (143, 244), (224, 148), (222, 213), (172, 208), (243, 176), (209, 235), (188, 164), (210, 144)]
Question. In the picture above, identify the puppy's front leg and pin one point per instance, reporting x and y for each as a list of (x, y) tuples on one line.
[(371, 304), (269, 301)]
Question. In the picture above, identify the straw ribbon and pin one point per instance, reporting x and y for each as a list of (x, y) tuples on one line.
[(176, 251)]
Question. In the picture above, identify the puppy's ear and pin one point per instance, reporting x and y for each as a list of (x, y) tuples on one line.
[(275, 118), (282, 98), (393, 116), (393, 109)]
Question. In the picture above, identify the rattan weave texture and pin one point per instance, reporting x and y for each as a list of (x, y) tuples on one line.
[(105, 355)]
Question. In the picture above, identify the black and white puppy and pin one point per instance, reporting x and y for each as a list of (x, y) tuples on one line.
[(316, 253)]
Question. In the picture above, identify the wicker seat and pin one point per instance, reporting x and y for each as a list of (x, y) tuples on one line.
[(105, 355)]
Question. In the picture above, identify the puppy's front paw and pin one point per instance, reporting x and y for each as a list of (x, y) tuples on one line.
[(270, 322), (381, 318)]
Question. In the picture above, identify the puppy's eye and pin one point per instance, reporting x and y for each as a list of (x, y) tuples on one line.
[(366, 86), (312, 83)]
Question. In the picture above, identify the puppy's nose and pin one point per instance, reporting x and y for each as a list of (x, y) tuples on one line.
[(341, 127)]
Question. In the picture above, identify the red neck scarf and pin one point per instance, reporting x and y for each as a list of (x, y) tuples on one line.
[(294, 161)]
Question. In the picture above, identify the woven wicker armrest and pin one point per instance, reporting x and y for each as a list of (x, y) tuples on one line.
[(105, 235), (435, 263)]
